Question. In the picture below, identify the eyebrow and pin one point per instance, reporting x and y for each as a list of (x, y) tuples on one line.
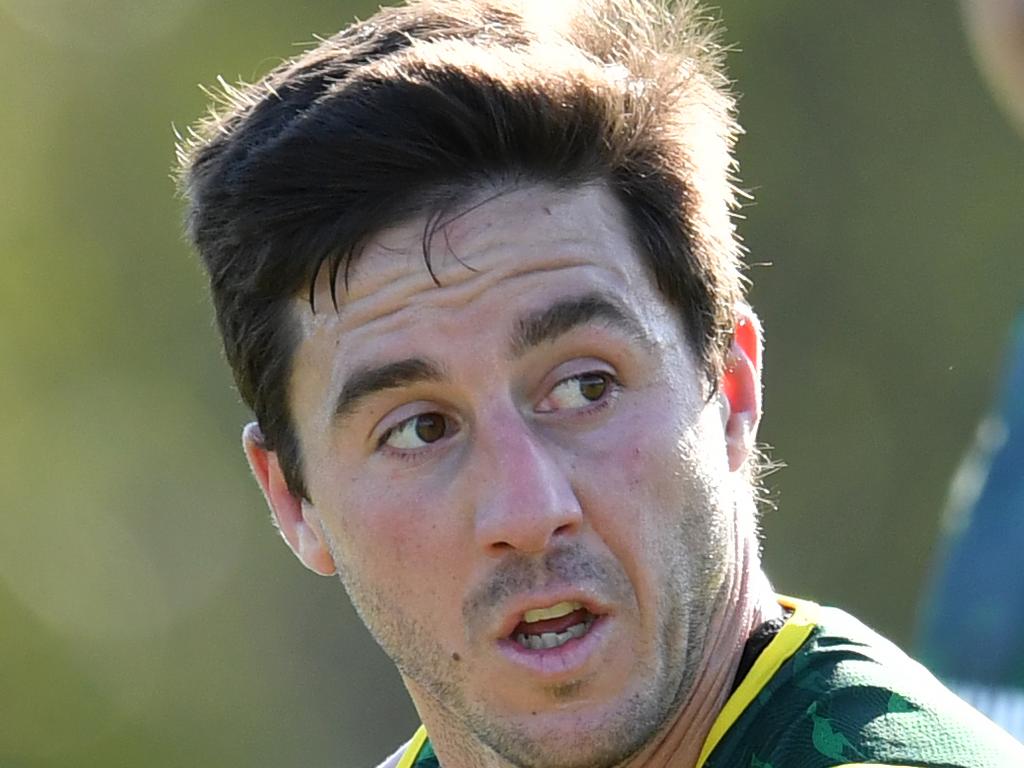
[(534, 329), (370, 380), (546, 325)]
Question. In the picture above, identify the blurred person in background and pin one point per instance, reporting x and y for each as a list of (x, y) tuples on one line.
[(475, 273), (972, 632), (972, 624)]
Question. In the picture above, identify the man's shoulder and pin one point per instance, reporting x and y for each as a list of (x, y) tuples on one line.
[(846, 695), (853, 689), (865, 682)]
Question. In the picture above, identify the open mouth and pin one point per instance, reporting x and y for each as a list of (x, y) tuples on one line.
[(553, 626)]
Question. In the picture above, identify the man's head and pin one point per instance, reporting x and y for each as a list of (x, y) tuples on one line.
[(475, 273), (417, 108)]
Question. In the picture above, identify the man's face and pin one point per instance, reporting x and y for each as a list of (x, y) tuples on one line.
[(519, 476)]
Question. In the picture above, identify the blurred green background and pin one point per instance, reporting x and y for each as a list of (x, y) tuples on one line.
[(148, 614)]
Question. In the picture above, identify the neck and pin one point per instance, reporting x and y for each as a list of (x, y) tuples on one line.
[(750, 602)]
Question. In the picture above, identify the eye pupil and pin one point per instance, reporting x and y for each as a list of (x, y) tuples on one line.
[(430, 427), (592, 386)]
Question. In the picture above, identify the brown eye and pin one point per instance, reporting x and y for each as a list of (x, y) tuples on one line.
[(417, 431), (592, 386), (430, 427), (579, 391)]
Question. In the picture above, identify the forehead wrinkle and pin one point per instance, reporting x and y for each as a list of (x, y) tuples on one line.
[(391, 270), (403, 294)]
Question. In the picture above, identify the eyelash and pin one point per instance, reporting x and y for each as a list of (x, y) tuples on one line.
[(409, 454), (614, 390), (609, 397)]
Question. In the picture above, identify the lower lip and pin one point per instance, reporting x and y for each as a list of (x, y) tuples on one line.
[(566, 659)]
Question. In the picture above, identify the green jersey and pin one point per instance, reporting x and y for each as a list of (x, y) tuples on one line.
[(828, 692)]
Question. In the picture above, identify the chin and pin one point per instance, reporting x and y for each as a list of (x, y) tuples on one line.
[(580, 734)]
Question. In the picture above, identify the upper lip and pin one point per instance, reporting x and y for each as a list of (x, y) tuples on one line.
[(520, 605)]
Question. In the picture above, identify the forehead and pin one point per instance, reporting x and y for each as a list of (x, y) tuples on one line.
[(496, 256), (494, 236)]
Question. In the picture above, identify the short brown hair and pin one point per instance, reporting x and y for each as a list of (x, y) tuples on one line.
[(412, 110)]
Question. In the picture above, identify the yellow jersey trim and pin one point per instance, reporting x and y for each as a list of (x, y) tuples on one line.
[(412, 749), (793, 634)]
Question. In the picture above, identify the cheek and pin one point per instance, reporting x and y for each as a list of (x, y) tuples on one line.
[(655, 493), (639, 462), (629, 485), (394, 538)]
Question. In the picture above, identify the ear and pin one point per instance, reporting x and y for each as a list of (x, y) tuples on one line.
[(741, 387), (296, 518)]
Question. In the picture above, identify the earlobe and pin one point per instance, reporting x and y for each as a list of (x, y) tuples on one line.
[(741, 387), (295, 517)]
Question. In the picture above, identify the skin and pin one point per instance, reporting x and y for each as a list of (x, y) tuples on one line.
[(584, 463)]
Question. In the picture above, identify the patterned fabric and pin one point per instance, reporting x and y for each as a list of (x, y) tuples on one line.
[(842, 695), (849, 697)]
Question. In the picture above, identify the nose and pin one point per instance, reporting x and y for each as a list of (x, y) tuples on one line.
[(525, 498)]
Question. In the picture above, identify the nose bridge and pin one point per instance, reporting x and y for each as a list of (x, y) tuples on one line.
[(525, 495)]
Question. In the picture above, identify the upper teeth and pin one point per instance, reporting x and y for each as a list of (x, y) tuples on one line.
[(553, 612)]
